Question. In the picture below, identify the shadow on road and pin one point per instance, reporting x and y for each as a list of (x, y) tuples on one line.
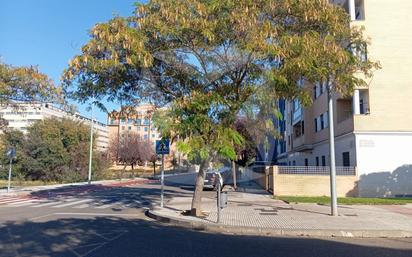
[(131, 197), (117, 237)]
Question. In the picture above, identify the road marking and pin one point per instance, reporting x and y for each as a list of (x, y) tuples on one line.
[(54, 202), (23, 203), (72, 203), (11, 200), (95, 214), (104, 206), (82, 206)]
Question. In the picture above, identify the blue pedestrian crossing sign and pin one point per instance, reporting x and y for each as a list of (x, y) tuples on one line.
[(163, 146)]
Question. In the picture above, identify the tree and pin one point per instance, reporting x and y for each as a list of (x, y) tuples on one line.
[(210, 61), (52, 150), (246, 152), (130, 150), (25, 84)]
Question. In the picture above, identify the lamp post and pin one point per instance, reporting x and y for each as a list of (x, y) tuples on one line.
[(89, 180), (333, 197)]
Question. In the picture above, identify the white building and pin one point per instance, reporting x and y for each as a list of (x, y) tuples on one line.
[(22, 117)]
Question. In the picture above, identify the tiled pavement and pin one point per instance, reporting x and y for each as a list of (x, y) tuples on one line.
[(261, 211)]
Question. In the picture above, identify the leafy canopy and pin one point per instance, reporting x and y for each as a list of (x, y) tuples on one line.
[(209, 60), (52, 150), (25, 84)]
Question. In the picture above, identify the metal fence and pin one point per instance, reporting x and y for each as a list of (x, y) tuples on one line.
[(315, 170)]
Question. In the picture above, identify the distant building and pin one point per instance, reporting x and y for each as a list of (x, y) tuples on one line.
[(21, 118), (137, 120)]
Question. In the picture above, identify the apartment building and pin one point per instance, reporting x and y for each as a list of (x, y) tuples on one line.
[(138, 121), (22, 117), (373, 128)]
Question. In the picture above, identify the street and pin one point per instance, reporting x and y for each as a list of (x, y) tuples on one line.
[(110, 221)]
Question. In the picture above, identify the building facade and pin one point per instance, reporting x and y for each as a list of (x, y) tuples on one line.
[(138, 121), (22, 117), (373, 128)]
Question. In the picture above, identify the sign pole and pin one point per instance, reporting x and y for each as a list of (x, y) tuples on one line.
[(8, 185), (218, 199), (162, 181)]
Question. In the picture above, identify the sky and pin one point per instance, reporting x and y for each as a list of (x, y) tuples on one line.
[(48, 33)]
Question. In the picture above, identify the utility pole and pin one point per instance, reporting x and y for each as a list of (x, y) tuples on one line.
[(91, 148), (333, 197)]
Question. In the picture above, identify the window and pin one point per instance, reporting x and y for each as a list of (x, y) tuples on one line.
[(153, 135), (130, 128), (129, 121), (346, 159), (306, 162), (359, 10), (146, 121), (123, 128), (122, 120), (317, 161), (294, 163), (322, 124), (323, 160), (314, 93), (316, 124), (326, 119), (138, 121), (361, 106), (146, 129), (146, 136), (303, 127)]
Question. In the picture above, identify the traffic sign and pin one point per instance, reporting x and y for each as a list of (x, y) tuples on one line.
[(11, 152), (163, 146)]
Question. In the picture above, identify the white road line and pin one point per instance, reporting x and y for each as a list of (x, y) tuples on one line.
[(105, 206), (72, 203), (82, 206), (54, 202), (13, 200), (23, 203)]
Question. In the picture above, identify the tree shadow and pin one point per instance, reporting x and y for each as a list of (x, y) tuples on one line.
[(387, 184), (114, 196), (118, 237)]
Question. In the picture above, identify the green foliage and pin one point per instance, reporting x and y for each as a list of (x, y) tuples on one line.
[(52, 150), (25, 84), (210, 61)]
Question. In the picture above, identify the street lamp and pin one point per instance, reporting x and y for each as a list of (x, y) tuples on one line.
[(89, 180), (333, 197)]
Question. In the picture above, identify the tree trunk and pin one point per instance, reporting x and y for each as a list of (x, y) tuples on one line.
[(133, 171), (234, 174), (197, 195), (121, 173)]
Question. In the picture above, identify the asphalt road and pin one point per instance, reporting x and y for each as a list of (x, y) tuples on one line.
[(80, 222)]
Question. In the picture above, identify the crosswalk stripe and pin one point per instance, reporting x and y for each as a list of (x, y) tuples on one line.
[(54, 202), (12, 201), (105, 206), (23, 203), (72, 203), (82, 206)]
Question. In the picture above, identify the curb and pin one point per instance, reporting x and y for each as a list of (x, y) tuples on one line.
[(257, 231)]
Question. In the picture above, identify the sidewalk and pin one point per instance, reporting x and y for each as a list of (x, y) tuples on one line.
[(252, 211)]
